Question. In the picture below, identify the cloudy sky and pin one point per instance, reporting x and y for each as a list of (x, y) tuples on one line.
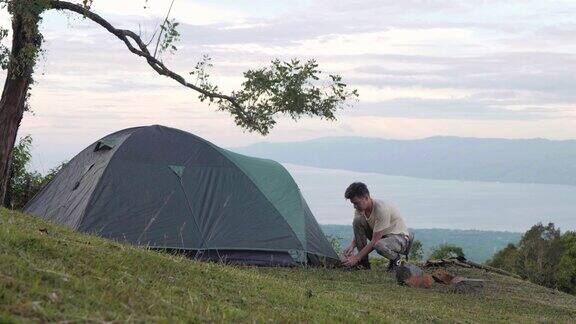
[(423, 68)]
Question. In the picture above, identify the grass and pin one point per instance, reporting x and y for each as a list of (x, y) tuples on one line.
[(52, 274)]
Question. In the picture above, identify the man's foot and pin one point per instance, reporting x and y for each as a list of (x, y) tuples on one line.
[(393, 265), (364, 264)]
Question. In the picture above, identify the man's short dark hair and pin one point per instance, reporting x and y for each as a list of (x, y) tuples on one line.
[(356, 189)]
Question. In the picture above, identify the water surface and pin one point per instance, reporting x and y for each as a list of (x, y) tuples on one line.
[(426, 203)]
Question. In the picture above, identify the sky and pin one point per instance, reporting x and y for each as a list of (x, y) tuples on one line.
[(423, 68)]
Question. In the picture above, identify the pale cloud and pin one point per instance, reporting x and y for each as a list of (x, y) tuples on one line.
[(191, 12), (375, 94), (423, 68)]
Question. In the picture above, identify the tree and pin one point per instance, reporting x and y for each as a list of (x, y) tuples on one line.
[(416, 252), (18, 177), (506, 259), (543, 256), (24, 183), (539, 252), (445, 251), (291, 88), (566, 271)]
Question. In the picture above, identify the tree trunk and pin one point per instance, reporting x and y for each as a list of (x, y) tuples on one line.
[(25, 44)]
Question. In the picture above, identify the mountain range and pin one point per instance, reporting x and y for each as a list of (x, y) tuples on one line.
[(453, 158)]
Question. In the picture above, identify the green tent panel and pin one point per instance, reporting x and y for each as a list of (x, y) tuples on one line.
[(167, 189)]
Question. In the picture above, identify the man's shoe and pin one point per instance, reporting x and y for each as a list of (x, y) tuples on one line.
[(393, 265), (365, 264)]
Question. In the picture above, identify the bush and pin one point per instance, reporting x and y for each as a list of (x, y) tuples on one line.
[(24, 184), (335, 242), (445, 251), (416, 252)]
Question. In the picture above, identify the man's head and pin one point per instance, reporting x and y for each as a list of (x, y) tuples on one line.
[(359, 196)]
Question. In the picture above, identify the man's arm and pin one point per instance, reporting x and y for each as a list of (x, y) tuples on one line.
[(354, 259), (376, 236)]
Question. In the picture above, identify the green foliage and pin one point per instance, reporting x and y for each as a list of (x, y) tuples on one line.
[(566, 270), (170, 36), (416, 252), (335, 242), (201, 72), (24, 184), (539, 252), (543, 256), (4, 51), (87, 4), (21, 62), (506, 258), (445, 251), (28, 12), (294, 89)]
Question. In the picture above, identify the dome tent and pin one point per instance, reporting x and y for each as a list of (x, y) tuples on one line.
[(164, 188)]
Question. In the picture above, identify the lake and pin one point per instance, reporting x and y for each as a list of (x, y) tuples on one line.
[(426, 203)]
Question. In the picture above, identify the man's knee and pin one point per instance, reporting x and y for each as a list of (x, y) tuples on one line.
[(387, 248)]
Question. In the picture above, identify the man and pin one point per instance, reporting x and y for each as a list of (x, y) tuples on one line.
[(378, 221)]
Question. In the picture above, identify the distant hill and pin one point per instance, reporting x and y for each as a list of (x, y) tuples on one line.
[(455, 158), (478, 246)]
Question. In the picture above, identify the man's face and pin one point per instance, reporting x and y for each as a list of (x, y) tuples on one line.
[(361, 203)]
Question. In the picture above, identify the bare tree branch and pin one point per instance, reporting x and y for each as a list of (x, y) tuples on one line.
[(138, 47)]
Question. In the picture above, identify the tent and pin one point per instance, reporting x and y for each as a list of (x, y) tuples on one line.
[(164, 188)]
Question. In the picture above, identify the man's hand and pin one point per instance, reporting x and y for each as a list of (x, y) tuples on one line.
[(348, 251), (351, 261)]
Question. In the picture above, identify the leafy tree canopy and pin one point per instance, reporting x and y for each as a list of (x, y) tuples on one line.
[(445, 251), (544, 256)]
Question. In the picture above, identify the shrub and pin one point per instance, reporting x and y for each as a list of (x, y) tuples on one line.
[(416, 252), (24, 184), (445, 251)]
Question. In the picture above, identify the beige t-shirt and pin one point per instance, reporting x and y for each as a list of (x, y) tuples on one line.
[(384, 217)]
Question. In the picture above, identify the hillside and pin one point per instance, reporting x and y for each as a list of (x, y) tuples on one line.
[(48, 273), (479, 246), (472, 159)]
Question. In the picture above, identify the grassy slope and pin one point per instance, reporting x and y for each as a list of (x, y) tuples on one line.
[(58, 275)]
